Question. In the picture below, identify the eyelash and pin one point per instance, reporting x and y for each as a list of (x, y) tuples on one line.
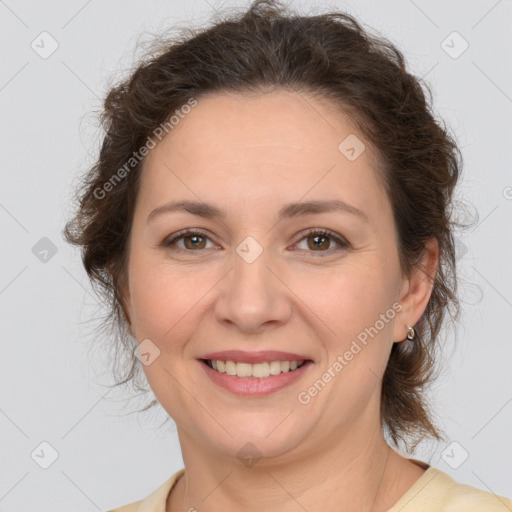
[(342, 243)]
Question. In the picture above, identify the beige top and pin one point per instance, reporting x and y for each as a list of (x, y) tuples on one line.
[(434, 491)]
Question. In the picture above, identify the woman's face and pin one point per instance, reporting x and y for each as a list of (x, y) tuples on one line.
[(253, 279)]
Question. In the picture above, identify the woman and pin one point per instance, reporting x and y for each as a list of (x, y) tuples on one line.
[(270, 218)]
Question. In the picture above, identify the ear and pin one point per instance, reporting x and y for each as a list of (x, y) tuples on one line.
[(416, 290)]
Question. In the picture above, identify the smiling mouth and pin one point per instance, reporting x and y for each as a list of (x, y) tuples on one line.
[(257, 370)]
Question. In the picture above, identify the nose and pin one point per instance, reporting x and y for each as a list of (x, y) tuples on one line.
[(252, 296)]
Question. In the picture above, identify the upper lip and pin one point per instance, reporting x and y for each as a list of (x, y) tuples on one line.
[(239, 356)]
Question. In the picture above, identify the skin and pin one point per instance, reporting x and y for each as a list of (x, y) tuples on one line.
[(250, 155)]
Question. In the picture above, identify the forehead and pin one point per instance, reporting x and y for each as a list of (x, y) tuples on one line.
[(262, 147), (279, 123)]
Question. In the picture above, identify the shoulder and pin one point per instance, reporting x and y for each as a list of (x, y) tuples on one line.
[(438, 491), (132, 507), (154, 502)]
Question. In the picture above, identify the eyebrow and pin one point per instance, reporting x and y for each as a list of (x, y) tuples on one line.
[(288, 211)]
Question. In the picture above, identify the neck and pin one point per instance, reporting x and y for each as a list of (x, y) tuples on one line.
[(358, 473)]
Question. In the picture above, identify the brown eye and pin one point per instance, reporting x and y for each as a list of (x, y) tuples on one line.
[(322, 240), (319, 242), (192, 241), (195, 241)]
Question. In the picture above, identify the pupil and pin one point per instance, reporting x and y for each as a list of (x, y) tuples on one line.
[(316, 238), (193, 239)]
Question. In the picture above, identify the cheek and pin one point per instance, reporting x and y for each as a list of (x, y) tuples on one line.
[(157, 298), (357, 339), (349, 298), (356, 307)]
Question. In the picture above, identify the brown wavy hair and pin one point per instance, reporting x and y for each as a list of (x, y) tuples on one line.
[(328, 55)]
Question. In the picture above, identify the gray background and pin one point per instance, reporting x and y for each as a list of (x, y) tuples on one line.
[(51, 387)]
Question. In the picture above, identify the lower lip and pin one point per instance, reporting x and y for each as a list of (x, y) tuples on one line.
[(251, 386)]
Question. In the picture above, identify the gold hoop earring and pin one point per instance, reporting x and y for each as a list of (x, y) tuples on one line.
[(410, 332)]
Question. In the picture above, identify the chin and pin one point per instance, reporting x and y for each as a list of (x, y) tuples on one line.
[(256, 440)]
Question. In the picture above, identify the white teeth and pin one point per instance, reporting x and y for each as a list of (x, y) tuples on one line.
[(230, 368), (258, 370), (275, 367), (261, 370), (243, 370)]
